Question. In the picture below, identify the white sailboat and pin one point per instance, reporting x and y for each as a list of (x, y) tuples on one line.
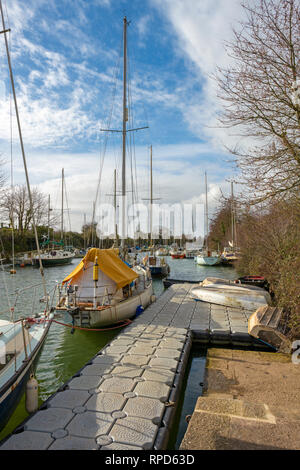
[(157, 265), (56, 255), (21, 340), (207, 258), (230, 254), (103, 289)]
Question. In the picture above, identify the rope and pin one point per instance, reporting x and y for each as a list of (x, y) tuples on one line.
[(93, 329)]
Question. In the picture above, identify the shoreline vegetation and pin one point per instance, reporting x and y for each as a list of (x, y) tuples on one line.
[(268, 240), (259, 90)]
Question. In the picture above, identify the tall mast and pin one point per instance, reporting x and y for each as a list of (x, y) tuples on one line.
[(206, 213), (151, 194), (62, 205), (49, 217), (232, 215), (94, 206), (84, 231), (115, 206), (23, 150), (125, 118)]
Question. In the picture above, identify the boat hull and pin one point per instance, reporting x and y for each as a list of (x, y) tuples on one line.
[(178, 256), (159, 270), (208, 260), (11, 393), (231, 297), (258, 281), (47, 262), (90, 318)]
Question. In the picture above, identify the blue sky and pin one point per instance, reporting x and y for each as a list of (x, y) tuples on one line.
[(64, 56)]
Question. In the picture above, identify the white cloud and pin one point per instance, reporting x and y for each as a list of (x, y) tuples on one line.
[(58, 99), (200, 30)]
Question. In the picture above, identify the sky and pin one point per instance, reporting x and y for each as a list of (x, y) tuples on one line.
[(67, 58)]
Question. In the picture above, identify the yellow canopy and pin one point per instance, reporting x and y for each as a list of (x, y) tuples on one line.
[(109, 263)]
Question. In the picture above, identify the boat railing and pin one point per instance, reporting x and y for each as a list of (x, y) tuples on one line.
[(72, 300), (36, 298)]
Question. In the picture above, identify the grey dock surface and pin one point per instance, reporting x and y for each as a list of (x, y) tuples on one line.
[(125, 398)]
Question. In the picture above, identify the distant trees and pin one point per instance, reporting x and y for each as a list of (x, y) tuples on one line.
[(221, 226), (260, 90), (90, 236), (15, 208)]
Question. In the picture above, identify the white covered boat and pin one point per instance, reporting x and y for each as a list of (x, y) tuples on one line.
[(208, 259), (103, 290), (230, 294)]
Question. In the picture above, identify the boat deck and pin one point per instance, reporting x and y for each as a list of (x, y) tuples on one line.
[(126, 396)]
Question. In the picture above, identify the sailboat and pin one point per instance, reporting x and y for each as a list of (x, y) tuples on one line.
[(157, 265), (207, 258), (103, 289), (55, 254), (230, 253), (21, 340)]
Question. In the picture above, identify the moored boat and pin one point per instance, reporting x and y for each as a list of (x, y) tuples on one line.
[(208, 259), (21, 344), (258, 281), (178, 253), (228, 293), (103, 290), (162, 251), (157, 265), (55, 258), (229, 256)]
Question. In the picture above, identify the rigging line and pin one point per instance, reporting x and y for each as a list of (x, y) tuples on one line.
[(11, 169), (133, 59), (134, 187), (68, 212), (4, 280), (108, 126), (131, 139), (23, 151)]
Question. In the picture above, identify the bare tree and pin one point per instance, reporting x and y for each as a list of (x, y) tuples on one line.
[(262, 103), (15, 208)]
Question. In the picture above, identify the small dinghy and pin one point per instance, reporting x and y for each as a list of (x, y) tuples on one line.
[(228, 293)]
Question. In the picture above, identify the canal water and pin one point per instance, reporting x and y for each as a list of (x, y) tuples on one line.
[(64, 353)]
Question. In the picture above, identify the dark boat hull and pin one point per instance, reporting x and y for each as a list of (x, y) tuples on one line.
[(54, 262), (257, 281), (14, 388), (161, 271)]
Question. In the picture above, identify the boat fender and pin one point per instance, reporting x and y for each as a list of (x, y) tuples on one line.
[(139, 310), (32, 394), (73, 323), (153, 298)]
